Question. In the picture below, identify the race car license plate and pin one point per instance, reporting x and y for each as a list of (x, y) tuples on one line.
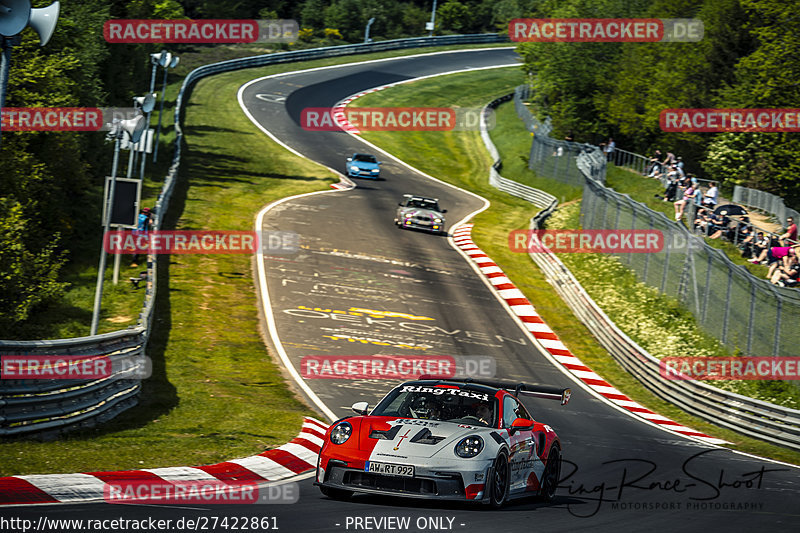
[(389, 469)]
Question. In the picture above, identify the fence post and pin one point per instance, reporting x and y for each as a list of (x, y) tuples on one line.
[(727, 313), (751, 318), (633, 224), (647, 256), (777, 341), (666, 266), (708, 289)]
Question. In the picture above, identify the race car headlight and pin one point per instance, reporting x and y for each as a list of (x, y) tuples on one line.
[(341, 433), (469, 446), (437, 220), (376, 170), (354, 167), (408, 215)]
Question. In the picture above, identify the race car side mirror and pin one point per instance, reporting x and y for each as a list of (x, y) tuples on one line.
[(521, 424), (349, 158), (400, 204), (444, 210), (360, 408)]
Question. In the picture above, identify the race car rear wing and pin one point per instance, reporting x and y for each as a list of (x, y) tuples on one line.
[(537, 391)]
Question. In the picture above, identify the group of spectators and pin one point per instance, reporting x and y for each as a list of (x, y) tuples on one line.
[(784, 266), (779, 252), (660, 164)]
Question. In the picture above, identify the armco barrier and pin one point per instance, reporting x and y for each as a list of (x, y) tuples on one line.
[(766, 202), (47, 408), (763, 420)]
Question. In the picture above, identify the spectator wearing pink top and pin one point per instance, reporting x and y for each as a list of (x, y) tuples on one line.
[(774, 255)]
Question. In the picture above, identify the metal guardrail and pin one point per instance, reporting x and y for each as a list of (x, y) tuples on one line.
[(763, 420), (47, 408), (766, 202), (534, 196), (564, 161), (766, 421)]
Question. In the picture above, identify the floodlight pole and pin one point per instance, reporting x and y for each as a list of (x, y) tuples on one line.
[(366, 31), (433, 19), (98, 293), (154, 61), (161, 109)]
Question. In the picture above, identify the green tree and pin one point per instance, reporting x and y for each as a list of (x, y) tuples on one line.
[(453, 17), (764, 78)]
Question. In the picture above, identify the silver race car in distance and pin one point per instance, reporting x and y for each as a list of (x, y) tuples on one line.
[(448, 439), (420, 212)]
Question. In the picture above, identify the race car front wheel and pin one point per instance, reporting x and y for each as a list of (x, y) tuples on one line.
[(551, 475), (499, 481), (336, 494)]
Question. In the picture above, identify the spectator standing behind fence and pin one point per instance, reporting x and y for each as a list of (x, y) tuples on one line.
[(698, 196), (790, 237), (142, 226), (654, 164), (609, 149), (688, 197), (711, 197)]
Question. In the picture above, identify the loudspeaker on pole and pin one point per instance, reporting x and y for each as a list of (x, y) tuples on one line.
[(14, 15), (43, 21), (134, 127), (147, 103)]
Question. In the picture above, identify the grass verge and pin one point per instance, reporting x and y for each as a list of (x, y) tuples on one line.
[(460, 158)]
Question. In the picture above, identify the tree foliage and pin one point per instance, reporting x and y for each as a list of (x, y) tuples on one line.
[(748, 58)]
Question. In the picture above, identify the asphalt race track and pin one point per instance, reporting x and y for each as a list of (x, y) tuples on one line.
[(361, 286)]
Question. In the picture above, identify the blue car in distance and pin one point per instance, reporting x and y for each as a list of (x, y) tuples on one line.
[(363, 166)]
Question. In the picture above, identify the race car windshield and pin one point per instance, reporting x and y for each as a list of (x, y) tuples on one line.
[(424, 204), (364, 158), (462, 406)]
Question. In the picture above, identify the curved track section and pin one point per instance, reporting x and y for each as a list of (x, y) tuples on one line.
[(356, 259), (360, 286)]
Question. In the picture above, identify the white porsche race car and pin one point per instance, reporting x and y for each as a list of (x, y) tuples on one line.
[(444, 439)]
